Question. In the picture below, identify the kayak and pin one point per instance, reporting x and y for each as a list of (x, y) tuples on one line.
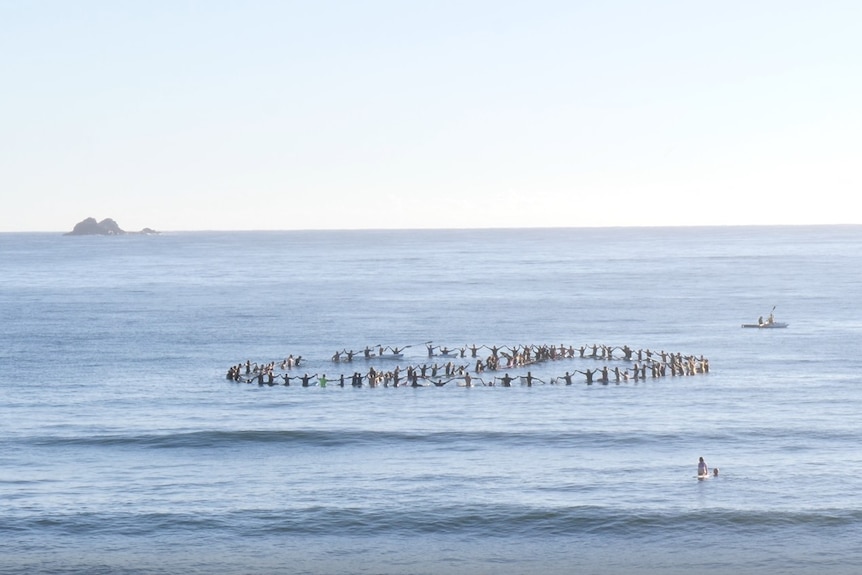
[(771, 325)]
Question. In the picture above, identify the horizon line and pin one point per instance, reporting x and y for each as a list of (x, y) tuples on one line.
[(429, 229)]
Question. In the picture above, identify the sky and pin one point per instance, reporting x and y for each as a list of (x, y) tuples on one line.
[(278, 115)]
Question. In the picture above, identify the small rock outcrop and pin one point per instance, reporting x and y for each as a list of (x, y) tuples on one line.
[(107, 227)]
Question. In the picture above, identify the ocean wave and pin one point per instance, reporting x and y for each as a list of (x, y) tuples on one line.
[(208, 439), (502, 521)]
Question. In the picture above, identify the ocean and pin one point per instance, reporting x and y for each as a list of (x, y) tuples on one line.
[(125, 449)]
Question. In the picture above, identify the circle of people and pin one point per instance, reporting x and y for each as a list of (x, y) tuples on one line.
[(647, 364)]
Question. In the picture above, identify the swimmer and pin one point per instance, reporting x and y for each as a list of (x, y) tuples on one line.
[(528, 379), (507, 381), (702, 468), (715, 471)]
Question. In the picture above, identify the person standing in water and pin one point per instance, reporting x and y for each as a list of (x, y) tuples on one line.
[(702, 468)]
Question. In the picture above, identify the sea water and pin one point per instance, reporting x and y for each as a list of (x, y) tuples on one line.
[(124, 448)]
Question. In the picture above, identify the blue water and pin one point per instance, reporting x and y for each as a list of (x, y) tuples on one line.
[(124, 449)]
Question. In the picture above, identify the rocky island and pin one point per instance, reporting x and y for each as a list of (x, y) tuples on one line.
[(107, 227)]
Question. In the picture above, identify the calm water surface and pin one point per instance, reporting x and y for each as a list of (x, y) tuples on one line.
[(123, 448)]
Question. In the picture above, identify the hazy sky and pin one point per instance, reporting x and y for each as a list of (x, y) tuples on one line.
[(189, 115)]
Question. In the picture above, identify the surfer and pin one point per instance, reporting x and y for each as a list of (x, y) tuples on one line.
[(702, 468)]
